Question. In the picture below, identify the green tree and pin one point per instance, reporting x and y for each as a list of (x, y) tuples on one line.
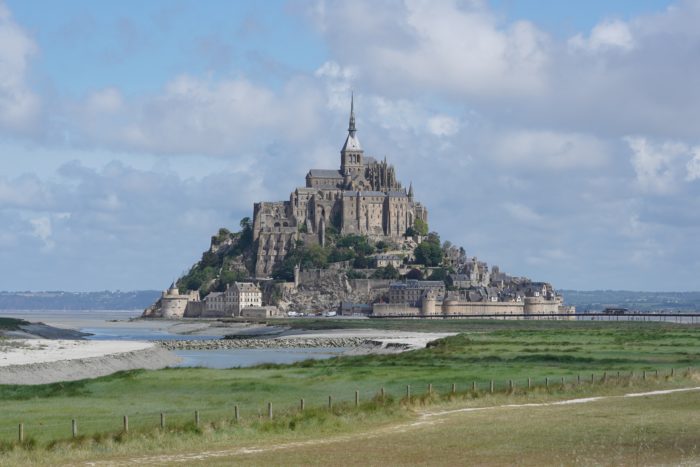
[(414, 274), (388, 272), (429, 252)]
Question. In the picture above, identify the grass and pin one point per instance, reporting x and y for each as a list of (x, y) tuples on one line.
[(499, 351), (11, 324)]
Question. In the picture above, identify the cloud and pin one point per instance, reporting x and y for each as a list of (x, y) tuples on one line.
[(660, 168), (459, 48), (41, 228), (611, 34), (546, 150), (19, 105)]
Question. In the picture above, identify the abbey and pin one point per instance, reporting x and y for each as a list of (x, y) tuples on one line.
[(364, 197)]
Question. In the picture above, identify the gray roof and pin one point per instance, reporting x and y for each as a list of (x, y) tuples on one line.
[(372, 193), (352, 143), (323, 173), (416, 284), (397, 194), (459, 277)]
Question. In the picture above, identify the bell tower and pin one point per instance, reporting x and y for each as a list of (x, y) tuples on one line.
[(351, 163)]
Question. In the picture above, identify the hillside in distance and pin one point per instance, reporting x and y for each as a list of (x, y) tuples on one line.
[(58, 300), (597, 300)]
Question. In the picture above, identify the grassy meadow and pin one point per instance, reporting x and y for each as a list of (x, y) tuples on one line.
[(483, 351)]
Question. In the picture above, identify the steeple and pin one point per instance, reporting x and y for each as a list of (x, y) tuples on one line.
[(410, 191), (351, 126), (351, 155)]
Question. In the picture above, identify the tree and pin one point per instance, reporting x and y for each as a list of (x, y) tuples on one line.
[(429, 252), (439, 274), (388, 272), (414, 274)]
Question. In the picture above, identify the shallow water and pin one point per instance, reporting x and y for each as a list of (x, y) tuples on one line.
[(250, 357)]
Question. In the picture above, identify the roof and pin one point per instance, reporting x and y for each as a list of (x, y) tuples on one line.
[(213, 295), (246, 287), (459, 277), (416, 284), (397, 194), (323, 173), (352, 143)]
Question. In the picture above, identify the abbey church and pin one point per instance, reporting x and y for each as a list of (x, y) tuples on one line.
[(364, 197)]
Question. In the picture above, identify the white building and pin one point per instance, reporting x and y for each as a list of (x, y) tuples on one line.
[(241, 295)]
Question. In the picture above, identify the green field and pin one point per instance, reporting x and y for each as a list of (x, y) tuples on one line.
[(498, 351)]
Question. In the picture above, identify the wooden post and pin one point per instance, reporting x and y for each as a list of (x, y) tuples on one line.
[(672, 372), (162, 420), (546, 382), (301, 405), (491, 387), (618, 376), (632, 374), (510, 385), (408, 392), (330, 402), (357, 398), (473, 386), (454, 388), (656, 373), (126, 423), (529, 383), (21, 432), (236, 413), (578, 379), (269, 410), (196, 417), (592, 379), (644, 375), (430, 388), (605, 376), (74, 428), (562, 381), (382, 393)]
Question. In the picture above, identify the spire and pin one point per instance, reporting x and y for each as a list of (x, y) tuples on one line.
[(351, 126), (410, 190)]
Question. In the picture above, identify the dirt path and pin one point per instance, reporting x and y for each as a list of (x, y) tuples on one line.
[(424, 418)]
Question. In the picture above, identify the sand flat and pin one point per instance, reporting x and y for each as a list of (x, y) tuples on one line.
[(30, 351)]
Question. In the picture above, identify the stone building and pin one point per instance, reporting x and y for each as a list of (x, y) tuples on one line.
[(410, 292), (363, 197), (240, 295)]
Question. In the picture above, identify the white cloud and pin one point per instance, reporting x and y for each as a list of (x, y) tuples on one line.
[(661, 167), (607, 35), (460, 48), (693, 166), (546, 150), (521, 212), (41, 229), (442, 125), (19, 105)]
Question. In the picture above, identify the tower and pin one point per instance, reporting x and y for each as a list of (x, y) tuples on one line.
[(351, 155)]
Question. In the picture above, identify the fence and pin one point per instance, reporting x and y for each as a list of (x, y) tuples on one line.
[(406, 394)]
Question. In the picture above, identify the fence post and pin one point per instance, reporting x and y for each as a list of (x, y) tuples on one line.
[(21, 432), (618, 376), (162, 420), (196, 417), (301, 404), (269, 410), (454, 387), (330, 402), (510, 385), (592, 378), (546, 382), (236, 413), (529, 383), (672, 372), (382, 393), (74, 428), (562, 381), (126, 423), (430, 388), (491, 387), (408, 392), (473, 386), (656, 373), (578, 379), (605, 376), (644, 375), (357, 398)]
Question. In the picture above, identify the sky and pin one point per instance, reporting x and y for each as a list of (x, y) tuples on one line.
[(557, 140)]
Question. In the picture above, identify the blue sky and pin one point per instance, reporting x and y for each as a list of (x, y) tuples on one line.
[(555, 139)]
